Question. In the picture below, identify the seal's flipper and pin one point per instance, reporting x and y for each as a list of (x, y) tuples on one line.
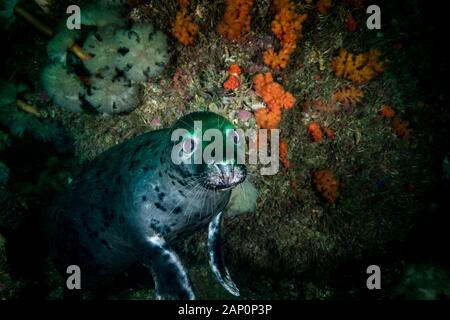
[(215, 256), (171, 279)]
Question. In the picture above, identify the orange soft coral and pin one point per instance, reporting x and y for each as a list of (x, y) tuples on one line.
[(276, 99), (280, 59), (349, 96), (323, 6), (183, 3), (324, 106), (267, 119), (184, 29), (231, 83), (326, 184), (236, 20), (314, 131), (357, 68), (354, 3), (234, 70), (351, 24), (401, 128), (283, 147), (272, 92), (233, 77), (287, 27), (329, 133), (387, 112)]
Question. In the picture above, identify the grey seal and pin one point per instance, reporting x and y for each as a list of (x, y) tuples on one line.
[(132, 202)]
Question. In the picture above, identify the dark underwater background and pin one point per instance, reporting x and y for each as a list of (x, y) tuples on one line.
[(385, 196)]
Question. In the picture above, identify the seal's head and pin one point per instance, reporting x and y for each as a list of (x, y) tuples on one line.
[(207, 147)]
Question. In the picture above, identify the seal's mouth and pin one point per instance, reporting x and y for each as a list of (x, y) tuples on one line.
[(224, 177)]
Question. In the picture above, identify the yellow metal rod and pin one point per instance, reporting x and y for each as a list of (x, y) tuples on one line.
[(76, 50), (28, 107), (33, 21)]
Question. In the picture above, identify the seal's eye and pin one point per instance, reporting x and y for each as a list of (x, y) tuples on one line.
[(189, 145), (234, 136)]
